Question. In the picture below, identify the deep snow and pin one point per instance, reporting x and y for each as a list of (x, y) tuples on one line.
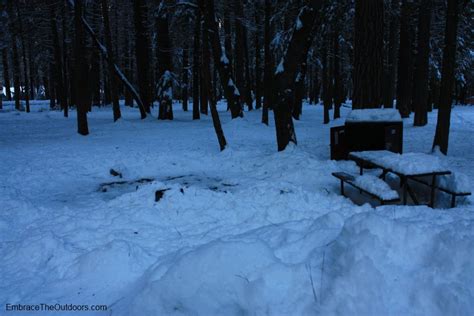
[(244, 231)]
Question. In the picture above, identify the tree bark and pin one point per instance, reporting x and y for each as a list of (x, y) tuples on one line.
[(268, 64), (142, 48), (391, 70), (258, 70), (165, 82), (208, 82), (337, 88), (241, 61), (6, 74), (421, 77), (196, 65), (285, 75), (184, 87), (15, 57), (58, 82), (26, 77), (368, 54), (80, 70), (441, 138), (405, 63), (222, 62), (327, 93), (111, 62)]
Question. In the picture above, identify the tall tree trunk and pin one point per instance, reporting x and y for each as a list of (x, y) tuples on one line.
[(268, 64), (316, 85), (80, 70), (222, 62), (337, 88), (196, 64), (204, 70), (421, 77), (184, 87), (229, 52), (299, 92), (208, 82), (390, 73), (142, 48), (441, 138), (258, 70), (128, 60), (165, 80), (405, 63), (52, 92), (368, 54), (285, 75), (58, 82), (111, 61), (6, 74), (327, 94), (15, 57), (67, 66), (241, 75), (26, 77)]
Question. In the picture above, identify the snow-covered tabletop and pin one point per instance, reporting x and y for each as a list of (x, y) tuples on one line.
[(374, 115), (409, 164)]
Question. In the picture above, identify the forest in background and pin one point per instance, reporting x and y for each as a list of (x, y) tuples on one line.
[(414, 55)]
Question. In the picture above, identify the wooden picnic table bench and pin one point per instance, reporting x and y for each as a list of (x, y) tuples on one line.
[(411, 166)]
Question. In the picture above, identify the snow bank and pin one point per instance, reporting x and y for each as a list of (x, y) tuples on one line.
[(455, 182), (413, 264), (374, 115), (406, 266)]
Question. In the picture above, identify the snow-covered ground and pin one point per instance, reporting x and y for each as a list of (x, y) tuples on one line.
[(247, 231)]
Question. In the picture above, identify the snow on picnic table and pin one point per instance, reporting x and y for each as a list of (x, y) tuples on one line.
[(374, 115), (406, 164), (376, 186), (245, 231)]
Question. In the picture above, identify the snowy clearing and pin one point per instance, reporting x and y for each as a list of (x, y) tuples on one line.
[(247, 231)]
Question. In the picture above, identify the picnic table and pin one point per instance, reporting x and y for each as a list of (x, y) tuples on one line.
[(406, 166)]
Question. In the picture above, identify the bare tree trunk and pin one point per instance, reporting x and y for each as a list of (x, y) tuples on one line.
[(208, 82), (285, 76), (441, 138), (196, 64), (111, 61), (368, 54), (26, 82), (327, 94), (6, 74), (67, 66), (204, 71), (142, 48), (299, 92), (184, 87), (80, 70), (222, 62), (421, 77), (337, 88), (268, 64), (391, 70), (165, 82), (405, 63), (258, 70), (241, 75), (15, 57)]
